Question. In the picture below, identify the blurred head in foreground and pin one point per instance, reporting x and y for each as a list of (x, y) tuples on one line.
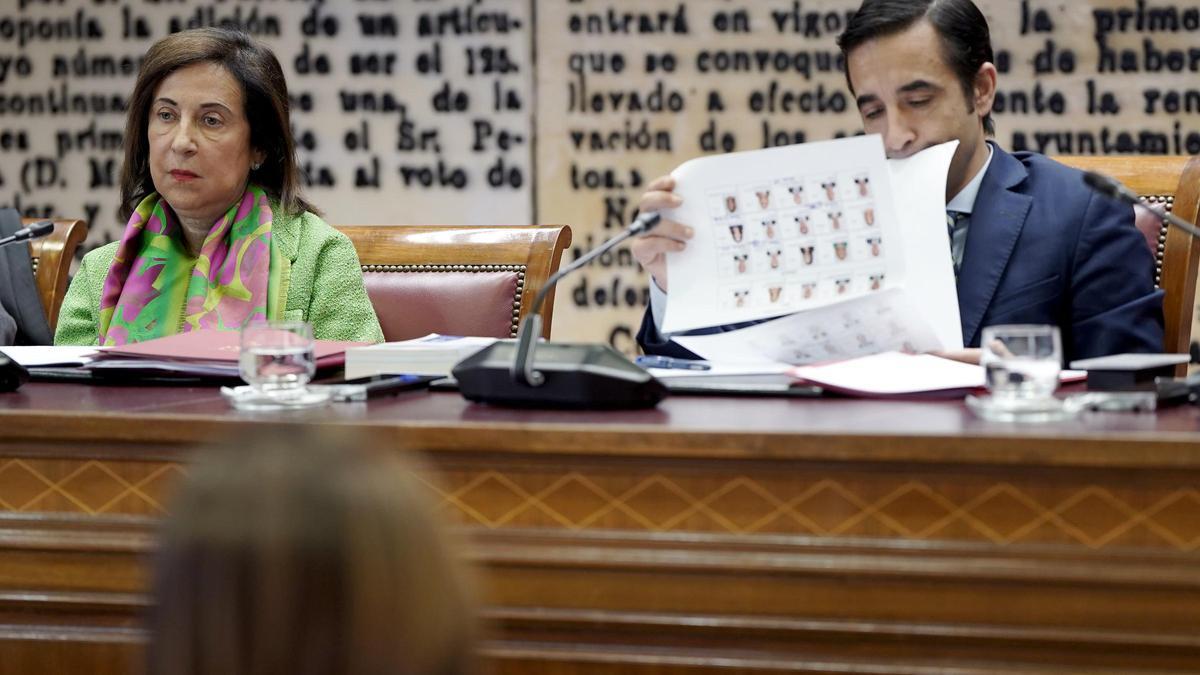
[(299, 554)]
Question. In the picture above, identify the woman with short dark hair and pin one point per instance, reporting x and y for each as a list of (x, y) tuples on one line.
[(217, 233)]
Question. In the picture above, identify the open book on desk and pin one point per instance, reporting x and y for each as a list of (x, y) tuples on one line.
[(885, 375)]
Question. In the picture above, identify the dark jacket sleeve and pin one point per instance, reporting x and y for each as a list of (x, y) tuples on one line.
[(8, 328), (653, 342), (1115, 307), (18, 291)]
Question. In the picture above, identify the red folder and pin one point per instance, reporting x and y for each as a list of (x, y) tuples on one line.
[(214, 347), (199, 355)]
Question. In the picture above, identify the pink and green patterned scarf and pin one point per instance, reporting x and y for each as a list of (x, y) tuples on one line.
[(156, 288)]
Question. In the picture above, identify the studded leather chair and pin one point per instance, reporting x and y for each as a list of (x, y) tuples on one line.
[(1168, 183), (52, 256), (477, 280)]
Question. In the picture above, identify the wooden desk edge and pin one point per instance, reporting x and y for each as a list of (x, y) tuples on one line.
[(148, 435)]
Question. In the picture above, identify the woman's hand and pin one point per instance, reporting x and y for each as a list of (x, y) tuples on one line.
[(650, 249)]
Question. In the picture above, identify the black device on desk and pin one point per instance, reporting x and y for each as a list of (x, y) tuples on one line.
[(1128, 372), (12, 374)]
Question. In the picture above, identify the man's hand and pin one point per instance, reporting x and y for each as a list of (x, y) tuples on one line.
[(650, 249)]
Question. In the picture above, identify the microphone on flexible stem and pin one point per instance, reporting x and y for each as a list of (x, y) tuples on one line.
[(523, 370), (559, 375), (1112, 188), (38, 229)]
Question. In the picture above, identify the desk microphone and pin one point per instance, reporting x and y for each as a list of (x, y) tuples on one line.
[(561, 375), (39, 229), (1112, 188)]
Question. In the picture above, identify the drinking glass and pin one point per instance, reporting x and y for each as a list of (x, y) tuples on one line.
[(276, 358), (1022, 363)]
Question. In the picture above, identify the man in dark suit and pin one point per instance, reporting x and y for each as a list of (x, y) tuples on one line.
[(1031, 243), (22, 319)]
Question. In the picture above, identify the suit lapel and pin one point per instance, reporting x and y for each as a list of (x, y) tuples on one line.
[(996, 222)]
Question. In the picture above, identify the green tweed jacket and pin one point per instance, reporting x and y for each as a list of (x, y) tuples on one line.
[(324, 286)]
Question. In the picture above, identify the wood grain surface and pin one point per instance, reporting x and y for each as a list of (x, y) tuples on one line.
[(708, 535)]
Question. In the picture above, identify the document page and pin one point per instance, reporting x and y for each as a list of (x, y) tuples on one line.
[(894, 374), (854, 255), (42, 356), (781, 230), (885, 321), (919, 188)]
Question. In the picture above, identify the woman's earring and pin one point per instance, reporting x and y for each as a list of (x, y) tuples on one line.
[(255, 166)]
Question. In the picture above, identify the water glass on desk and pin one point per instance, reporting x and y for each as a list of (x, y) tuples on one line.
[(276, 357), (1022, 363)]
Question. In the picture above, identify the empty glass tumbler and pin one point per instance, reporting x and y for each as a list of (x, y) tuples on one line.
[(1022, 362)]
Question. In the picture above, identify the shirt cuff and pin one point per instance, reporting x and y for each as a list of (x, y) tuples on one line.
[(658, 304)]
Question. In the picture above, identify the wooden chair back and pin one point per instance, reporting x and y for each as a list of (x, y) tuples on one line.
[(457, 280), (51, 257), (1170, 183)]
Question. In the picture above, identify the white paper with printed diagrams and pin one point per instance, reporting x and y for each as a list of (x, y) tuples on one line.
[(795, 229)]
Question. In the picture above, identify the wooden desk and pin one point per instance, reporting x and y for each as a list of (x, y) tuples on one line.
[(708, 535)]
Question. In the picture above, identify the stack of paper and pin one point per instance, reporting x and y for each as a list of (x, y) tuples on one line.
[(893, 374), (728, 373), (885, 375), (198, 354), (430, 355), (36, 356)]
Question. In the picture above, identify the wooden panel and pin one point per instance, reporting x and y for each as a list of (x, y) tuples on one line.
[(1087, 509), (147, 424), (575, 602), (92, 487), (1145, 175), (673, 541), (1090, 509)]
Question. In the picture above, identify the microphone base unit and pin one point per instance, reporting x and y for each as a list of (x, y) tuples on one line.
[(12, 374), (577, 376)]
